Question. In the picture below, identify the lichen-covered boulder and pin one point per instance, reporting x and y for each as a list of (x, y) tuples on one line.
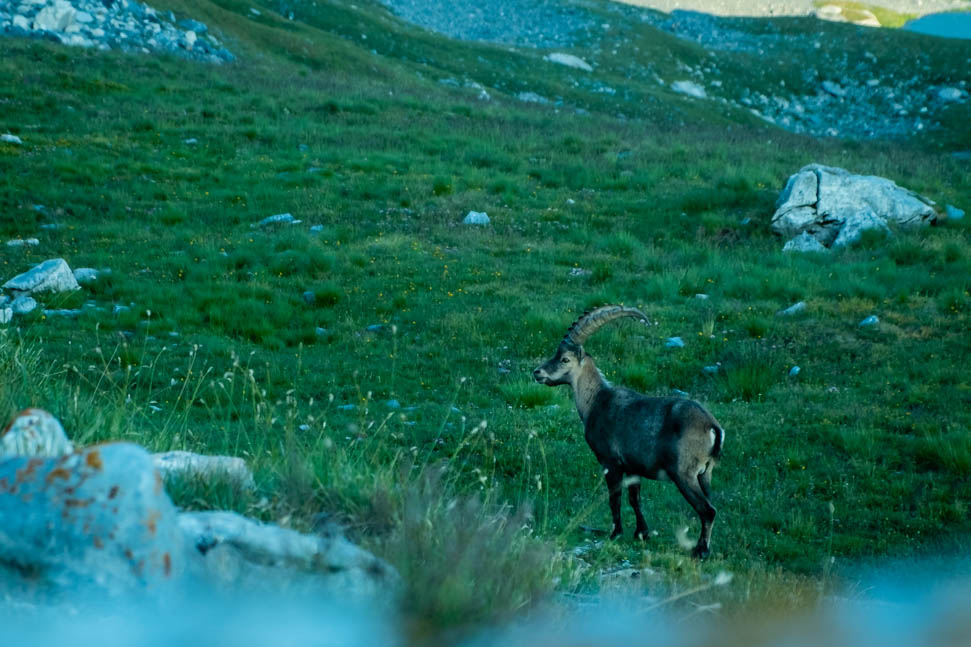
[(34, 432), (97, 519), (822, 200)]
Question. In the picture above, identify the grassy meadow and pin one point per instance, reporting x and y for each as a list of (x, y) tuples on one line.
[(399, 397)]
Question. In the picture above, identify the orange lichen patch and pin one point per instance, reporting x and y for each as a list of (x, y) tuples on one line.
[(167, 564), (98, 543), (93, 460), (113, 492), (152, 522), (27, 471), (159, 485), (78, 503), (58, 473)]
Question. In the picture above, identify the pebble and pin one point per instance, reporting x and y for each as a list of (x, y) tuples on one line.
[(674, 342), (11, 139), (794, 371), (794, 309), (872, 320), (476, 218)]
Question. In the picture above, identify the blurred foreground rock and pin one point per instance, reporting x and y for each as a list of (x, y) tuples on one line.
[(98, 520)]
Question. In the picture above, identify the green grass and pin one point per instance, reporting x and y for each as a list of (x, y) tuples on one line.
[(421, 309)]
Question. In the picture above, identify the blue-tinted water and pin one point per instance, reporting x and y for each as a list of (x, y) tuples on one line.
[(947, 25)]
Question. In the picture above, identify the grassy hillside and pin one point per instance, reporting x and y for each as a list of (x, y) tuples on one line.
[(865, 453)]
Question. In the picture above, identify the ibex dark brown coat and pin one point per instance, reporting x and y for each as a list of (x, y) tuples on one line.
[(634, 435)]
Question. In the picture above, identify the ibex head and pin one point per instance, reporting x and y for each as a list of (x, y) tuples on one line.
[(569, 355)]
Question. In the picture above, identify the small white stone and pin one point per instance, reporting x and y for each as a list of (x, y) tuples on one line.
[(476, 218), (11, 139)]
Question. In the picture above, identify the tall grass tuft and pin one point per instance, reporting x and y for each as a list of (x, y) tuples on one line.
[(750, 370)]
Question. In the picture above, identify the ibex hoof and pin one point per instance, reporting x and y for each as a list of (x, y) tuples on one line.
[(618, 532), (700, 552), (642, 534)]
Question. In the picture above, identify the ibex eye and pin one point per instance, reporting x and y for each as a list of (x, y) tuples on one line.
[(565, 360)]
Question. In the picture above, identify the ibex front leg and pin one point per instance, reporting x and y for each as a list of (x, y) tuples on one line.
[(615, 483)]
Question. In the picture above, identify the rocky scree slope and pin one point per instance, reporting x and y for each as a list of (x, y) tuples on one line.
[(839, 95), (126, 25)]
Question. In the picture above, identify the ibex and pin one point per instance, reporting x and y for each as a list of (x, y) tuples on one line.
[(633, 435)]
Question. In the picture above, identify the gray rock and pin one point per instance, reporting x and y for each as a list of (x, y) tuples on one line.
[(23, 242), (346, 407), (188, 465), (476, 218), (34, 432), (193, 25), (854, 226), (237, 552), (872, 320), (689, 88), (85, 274), (834, 89), (375, 328), (950, 94), (712, 369), (580, 272), (52, 275), (20, 22), (278, 219), (794, 309), (321, 332), (69, 313), (952, 212), (804, 243), (794, 371), (674, 342), (569, 60), (190, 141), (702, 297), (55, 17), (11, 139), (23, 305), (841, 197), (117, 309), (393, 404), (532, 97), (316, 229), (6, 314), (94, 519), (309, 297)]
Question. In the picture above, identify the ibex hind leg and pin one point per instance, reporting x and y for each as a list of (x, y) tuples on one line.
[(690, 488), (633, 497)]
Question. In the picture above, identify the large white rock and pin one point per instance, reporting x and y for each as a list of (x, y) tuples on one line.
[(56, 16), (822, 200), (52, 275), (34, 432), (182, 464), (569, 60)]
